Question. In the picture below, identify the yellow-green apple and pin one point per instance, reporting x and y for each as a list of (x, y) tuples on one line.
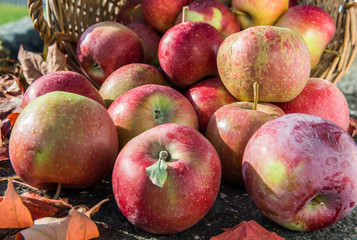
[(66, 81), (213, 12), (250, 13), (128, 77), (130, 12), (300, 171), (278, 59), (105, 47), (150, 41), (188, 53), (161, 14), (206, 97), (230, 129), (65, 138), (315, 26), (147, 106), (166, 179), (323, 99)]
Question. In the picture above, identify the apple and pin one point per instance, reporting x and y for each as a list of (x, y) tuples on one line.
[(65, 138), (315, 26), (250, 13), (188, 52), (206, 97), (128, 77), (130, 12), (230, 129), (278, 59), (166, 179), (161, 14), (300, 171), (323, 99), (67, 81), (147, 106), (213, 12), (293, 3), (150, 41), (105, 47)]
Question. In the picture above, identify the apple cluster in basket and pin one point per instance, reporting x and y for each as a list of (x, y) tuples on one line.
[(189, 92)]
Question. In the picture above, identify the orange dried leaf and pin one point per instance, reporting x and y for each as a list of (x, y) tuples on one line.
[(247, 230), (12, 117), (14, 214), (352, 130), (81, 227)]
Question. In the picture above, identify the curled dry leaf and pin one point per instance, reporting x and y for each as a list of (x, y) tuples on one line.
[(14, 214), (247, 230), (352, 130)]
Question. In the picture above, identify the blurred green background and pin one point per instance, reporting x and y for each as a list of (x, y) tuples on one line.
[(10, 12)]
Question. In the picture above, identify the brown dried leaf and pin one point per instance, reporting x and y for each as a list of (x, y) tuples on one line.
[(352, 130), (10, 96), (56, 60)]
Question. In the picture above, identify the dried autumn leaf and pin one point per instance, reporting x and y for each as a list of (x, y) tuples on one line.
[(247, 230), (10, 96), (75, 226), (14, 214), (12, 118), (352, 130)]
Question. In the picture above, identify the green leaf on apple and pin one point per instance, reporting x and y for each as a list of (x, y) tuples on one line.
[(157, 172)]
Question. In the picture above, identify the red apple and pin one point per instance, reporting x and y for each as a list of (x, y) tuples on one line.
[(323, 99), (105, 47), (300, 170), (293, 3), (278, 59), (188, 171), (188, 52), (230, 129), (150, 41), (213, 12), (66, 81), (128, 77), (62, 137), (147, 106), (252, 13), (161, 14), (315, 26), (206, 97), (130, 12)]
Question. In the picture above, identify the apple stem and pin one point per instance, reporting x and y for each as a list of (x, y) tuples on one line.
[(58, 191), (318, 200), (333, 52), (236, 12), (157, 172), (256, 90), (184, 10), (163, 155)]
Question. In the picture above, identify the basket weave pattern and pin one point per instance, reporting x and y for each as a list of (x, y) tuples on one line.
[(67, 19)]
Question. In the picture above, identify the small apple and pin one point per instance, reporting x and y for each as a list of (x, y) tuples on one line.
[(250, 13), (315, 26), (206, 97), (147, 106), (128, 77), (150, 41), (130, 12), (188, 53), (278, 59), (230, 129), (166, 179), (161, 14), (323, 99), (66, 81), (105, 47), (65, 138), (300, 171), (213, 12)]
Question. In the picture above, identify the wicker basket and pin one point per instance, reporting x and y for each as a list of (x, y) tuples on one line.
[(67, 19)]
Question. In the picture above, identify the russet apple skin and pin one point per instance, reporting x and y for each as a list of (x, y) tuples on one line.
[(257, 13), (105, 47), (62, 137), (147, 106), (206, 97), (130, 12), (323, 99), (191, 187), (188, 53), (161, 14), (315, 26), (213, 12), (278, 59), (128, 77), (300, 170), (230, 129), (66, 81)]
